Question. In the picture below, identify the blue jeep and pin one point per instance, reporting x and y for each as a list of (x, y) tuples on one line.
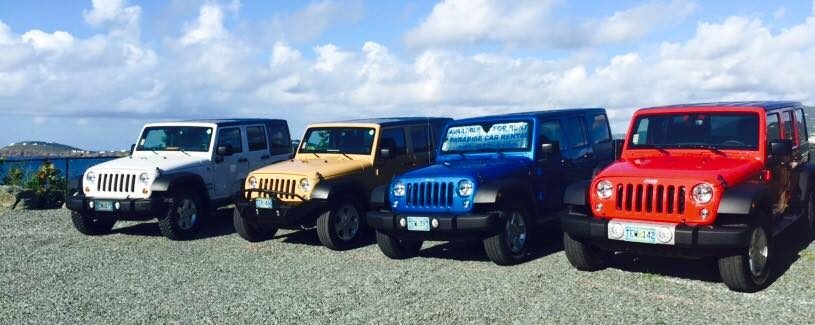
[(494, 179)]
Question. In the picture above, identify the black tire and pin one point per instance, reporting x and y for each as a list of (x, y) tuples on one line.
[(88, 224), (249, 230), (173, 224), (397, 249), (498, 247), (328, 222), (736, 271), (583, 256)]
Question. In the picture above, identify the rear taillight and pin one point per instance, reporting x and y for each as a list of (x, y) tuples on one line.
[(766, 175)]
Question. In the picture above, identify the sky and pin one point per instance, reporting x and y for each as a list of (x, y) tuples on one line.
[(90, 73)]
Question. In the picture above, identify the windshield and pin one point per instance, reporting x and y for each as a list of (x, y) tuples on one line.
[(738, 131), (175, 138), (487, 137), (347, 140)]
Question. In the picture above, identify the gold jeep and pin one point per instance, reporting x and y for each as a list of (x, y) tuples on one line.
[(328, 183)]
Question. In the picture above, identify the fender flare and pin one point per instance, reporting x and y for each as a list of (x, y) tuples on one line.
[(489, 193), (165, 182), (327, 189), (379, 196), (576, 193), (743, 199)]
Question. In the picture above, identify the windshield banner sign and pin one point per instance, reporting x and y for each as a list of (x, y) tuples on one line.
[(501, 136)]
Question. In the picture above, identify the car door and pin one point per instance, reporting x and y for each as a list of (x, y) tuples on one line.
[(394, 138), (420, 145), (280, 143), (257, 146), (577, 156), (230, 170), (550, 178), (780, 126)]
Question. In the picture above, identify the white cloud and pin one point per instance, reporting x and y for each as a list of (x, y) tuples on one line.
[(308, 23), (531, 22), (208, 69), (105, 11), (209, 26)]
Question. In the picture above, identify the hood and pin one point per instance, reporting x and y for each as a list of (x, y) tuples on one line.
[(148, 163), (327, 167), (475, 169), (709, 169)]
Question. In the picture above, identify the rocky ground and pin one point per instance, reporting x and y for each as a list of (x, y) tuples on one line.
[(51, 274)]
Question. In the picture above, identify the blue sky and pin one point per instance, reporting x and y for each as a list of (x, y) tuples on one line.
[(89, 73)]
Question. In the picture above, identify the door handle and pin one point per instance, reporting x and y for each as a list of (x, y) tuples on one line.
[(242, 160)]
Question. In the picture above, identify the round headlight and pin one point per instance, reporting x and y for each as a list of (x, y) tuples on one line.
[(90, 177), (399, 189), (144, 178), (702, 193), (605, 190), (305, 185), (465, 187), (252, 182)]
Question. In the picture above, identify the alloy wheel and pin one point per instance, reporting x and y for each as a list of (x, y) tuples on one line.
[(516, 232), (187, 214), (347, 222)]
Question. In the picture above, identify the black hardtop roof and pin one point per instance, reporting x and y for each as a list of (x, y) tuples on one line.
[(565, 111), (391, 121), (766, 105), (235, 121)]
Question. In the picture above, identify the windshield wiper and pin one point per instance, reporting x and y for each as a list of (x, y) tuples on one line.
[(712, 149), (346, 156), (184, 152), (315, 154), (661, 150)]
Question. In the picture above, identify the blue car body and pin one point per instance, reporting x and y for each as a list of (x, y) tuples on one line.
[(525, 175)]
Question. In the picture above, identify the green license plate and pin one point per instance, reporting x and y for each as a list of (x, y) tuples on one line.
[(264, 203), (104, 206), (418, 223), (647, 235)]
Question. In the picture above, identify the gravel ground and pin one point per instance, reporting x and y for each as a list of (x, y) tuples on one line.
[(52, 274)]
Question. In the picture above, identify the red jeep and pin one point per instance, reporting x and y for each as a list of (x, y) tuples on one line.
[(716, 180)]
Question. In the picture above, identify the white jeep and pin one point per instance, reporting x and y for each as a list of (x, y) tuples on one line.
[(176, 173)]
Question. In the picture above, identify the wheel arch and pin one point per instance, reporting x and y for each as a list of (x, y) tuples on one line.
[(497, 192), (170, 182), (745, 199)]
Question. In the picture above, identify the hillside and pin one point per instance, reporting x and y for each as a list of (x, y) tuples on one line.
[(47, 149)]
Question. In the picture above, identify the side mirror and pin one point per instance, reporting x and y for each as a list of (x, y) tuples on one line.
[(617, 146), (781, 147), (548, 149), (385, 153), (132, 147), (225, 150)]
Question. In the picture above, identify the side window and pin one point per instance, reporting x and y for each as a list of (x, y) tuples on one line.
[(256, 136), (279, 139), (550, 132), (420, 138), (786, 118), (599, 129), (576, 132), (231, 136), (773, 129), (801, 123), (395, 138)]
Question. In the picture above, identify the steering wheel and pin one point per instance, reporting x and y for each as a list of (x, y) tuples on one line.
[(734, 143)]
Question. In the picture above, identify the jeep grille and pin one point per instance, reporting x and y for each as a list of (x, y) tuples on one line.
[(429, 194), (648, 198), (116, 183), (278, 185)]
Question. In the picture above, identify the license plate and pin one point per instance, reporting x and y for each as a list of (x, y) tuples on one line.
[(418, 223), (106, 206), (264, 203), (642, 232), (637, 234)]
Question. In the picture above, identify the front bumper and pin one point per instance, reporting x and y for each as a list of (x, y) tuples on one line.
[(450, 227), (127, 208), (691, 240), (283, 216)]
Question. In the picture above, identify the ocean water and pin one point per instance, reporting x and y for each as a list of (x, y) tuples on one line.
[(70, 167)]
